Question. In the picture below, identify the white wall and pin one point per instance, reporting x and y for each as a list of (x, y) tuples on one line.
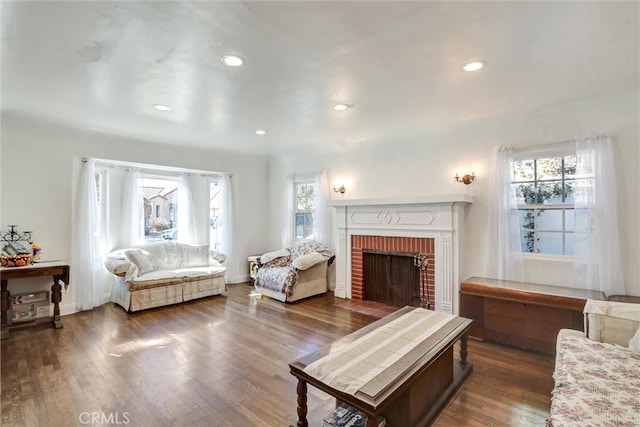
[(38, 161), (426, 164)]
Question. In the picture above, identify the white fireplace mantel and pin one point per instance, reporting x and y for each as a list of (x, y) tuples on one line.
[(438, 217)]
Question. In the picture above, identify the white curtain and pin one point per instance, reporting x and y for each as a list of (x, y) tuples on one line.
[(132, 210), (86, 260), (504, 244), (228, 226), (597, 244), (187, 232), (321, 226), (287, 218)]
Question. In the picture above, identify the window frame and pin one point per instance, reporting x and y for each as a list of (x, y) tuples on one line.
[(217, 245), (297, 183), (563, 151)]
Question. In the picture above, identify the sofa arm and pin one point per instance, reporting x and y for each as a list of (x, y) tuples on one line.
[(216, 256), (611, 322), (305, 262), (119, 267)]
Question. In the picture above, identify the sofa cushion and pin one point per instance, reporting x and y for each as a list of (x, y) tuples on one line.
[(140, 259), (197, 273), (169, 277), (195, 255), (596, 383)]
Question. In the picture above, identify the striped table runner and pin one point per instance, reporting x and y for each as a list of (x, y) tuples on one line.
[(353, 366)]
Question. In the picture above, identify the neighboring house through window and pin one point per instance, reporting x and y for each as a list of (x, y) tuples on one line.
[(160, 194), (544, 184)]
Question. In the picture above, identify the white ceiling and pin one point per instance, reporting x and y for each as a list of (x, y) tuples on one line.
[(102, 65)]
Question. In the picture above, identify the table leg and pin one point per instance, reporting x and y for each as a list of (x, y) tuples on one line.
[(56, 297), (302, 404), (463, 349), (5, 304)]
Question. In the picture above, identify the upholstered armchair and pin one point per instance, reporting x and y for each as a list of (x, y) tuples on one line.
[(294, 273)]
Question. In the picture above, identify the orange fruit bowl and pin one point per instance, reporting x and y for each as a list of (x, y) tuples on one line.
[(19, 260)]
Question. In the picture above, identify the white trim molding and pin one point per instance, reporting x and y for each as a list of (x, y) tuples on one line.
[(436, 217)]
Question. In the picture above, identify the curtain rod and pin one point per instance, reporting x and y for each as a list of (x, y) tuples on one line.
[(559, 143), (543, 146), (158, 171)]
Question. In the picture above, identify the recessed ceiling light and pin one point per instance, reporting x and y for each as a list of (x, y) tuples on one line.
[(474, 65), (161, 107), (232, 60), (342, 107), (261, 132)]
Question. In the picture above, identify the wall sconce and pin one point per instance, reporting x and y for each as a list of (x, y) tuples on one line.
[(340, 189), (465, 179)]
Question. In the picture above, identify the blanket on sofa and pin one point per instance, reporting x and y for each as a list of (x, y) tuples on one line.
[(596, 384)]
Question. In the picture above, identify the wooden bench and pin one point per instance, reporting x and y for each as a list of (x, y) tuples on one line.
[(525, 315)]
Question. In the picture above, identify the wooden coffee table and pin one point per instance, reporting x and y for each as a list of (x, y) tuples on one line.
[(409, 391)]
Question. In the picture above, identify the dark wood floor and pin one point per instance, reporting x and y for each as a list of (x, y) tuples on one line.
[(222, 361)]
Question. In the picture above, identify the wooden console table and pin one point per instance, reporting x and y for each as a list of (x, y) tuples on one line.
[(525, 315), (58, 270), (410, 391)]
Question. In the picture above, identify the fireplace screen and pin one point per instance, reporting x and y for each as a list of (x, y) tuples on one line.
[(391, 277)]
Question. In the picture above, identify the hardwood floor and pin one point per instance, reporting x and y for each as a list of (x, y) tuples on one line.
[(223, 361)]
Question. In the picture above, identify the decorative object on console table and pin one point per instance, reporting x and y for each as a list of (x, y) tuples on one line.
[(254, 265), (37, 250), (14, 253)]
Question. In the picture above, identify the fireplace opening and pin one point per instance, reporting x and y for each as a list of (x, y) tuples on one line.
[(391, 277)]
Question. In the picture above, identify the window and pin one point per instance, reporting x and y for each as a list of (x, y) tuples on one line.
[(215, 216), (544, 188), (160, 196), (304, 208)]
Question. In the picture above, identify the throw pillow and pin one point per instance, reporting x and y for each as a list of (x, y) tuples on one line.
[(306, 246), (140, 259), (634, 343), (195, 255)]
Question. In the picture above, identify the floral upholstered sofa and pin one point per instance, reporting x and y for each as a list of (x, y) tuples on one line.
[(163, 273), (294, 273), (597, 373)]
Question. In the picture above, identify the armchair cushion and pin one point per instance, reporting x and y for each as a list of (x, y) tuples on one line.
[(303, 262), (270, 256)]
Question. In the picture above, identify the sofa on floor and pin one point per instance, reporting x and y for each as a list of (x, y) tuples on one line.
[(162, 273), (294, 273), (597, 373)]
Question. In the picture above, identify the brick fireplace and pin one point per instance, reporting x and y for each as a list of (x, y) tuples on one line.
[(430, 226), (418, 245)]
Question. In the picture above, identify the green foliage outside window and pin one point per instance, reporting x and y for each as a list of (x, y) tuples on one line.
[(540, 181)]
